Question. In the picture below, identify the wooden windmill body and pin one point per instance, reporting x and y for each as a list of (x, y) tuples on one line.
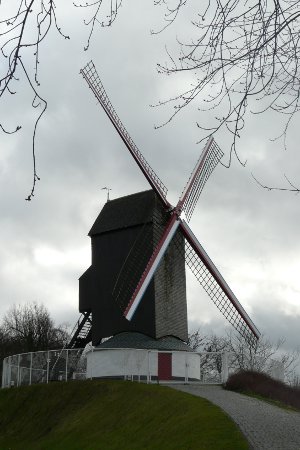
[(125, 228)]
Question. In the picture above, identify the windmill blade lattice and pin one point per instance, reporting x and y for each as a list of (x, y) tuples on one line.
[(216, 287), (205, 165), (217, 295), (92, 78)]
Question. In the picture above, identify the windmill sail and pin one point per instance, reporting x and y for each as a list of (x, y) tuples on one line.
[(208, 160), (152, 265), (92, 78), (128, 291), (216, 287), (204, 167), (206, 274)]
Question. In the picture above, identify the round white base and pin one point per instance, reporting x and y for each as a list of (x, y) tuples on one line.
[(143, 364)]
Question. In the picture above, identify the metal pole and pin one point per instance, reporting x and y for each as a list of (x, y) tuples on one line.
[(9, 372), (125, 360), (30, 371), (148, 367), (67, 359), (18, 372), (92, 364), (224, 367), (4, 372), (48, 362), (200, 366), (186, 374)]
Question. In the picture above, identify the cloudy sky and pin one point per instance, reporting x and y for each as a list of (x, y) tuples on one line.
[(250, 233)]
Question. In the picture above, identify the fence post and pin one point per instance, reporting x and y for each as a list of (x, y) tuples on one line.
[(18, 372), (48, 363), (224, 367), (186, 373), (7, 375), (30, 371), (9, 372), (92, 359), (148, 368), (67, 358), (4, 373), (200, 371)]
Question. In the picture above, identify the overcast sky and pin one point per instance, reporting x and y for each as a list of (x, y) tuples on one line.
[(251, 234)]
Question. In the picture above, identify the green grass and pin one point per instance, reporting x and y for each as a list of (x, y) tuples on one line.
[(112, 415)]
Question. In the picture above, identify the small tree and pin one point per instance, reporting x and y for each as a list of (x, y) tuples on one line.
[(196, 340), (29, 328), (264, 357), (211, 346)]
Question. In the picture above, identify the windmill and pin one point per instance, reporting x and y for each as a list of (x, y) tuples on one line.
[(170, 229)]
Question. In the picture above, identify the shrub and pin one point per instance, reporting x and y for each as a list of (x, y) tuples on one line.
[(261, 384)]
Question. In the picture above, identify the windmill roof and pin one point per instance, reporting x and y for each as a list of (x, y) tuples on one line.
[(125, 212), (141, 341)]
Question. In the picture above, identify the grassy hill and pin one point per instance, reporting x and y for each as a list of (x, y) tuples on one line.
[(112, 415)]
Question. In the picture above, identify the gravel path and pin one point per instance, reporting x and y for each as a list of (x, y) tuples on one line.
[(266, 427)]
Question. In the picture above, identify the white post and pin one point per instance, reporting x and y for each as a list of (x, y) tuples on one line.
[(67, 360), (200, 366), (48, 363), (92, 359), (18, 372), (9, 372), (148, 367), (124, 364), (30, 370), (186, 373), (224, 367), (4, 373)]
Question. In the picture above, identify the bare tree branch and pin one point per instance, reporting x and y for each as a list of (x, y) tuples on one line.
[(17, 37), (291, 188), (244, 59), (243, 52), (30, 328), (110, 8)]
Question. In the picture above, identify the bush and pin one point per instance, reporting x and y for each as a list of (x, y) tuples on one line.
[(258, 383)]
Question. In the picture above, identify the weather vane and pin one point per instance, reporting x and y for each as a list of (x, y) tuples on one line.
[(107, 189)]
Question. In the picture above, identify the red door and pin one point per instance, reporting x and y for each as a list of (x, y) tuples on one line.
[(164, 371)]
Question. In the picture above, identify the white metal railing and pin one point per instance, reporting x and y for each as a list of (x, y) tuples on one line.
[(43, 366), (129, 364), (65, 365)]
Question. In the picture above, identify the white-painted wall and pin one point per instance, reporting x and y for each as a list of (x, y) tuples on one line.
[(128, 362)]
